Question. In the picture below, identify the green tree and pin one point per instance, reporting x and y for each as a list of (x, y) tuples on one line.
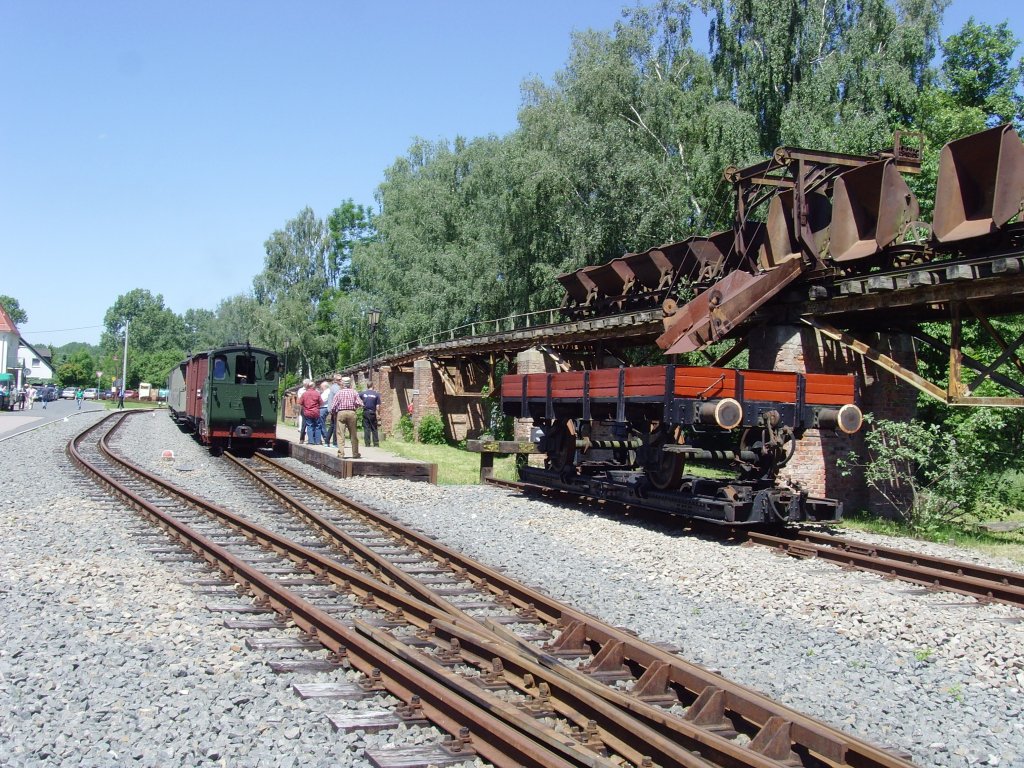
[(240, 319), (78, 369), (13, 309), (152, 328), (831, 75), (348, 225), (979, 71), (201, 332), (976, 88), (292, 286)]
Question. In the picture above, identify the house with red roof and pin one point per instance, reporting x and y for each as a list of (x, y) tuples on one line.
[(10, 339), (18, 357)]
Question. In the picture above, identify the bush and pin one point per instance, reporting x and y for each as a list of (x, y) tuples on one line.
[(934, 478), (432, 430), (406, 428)]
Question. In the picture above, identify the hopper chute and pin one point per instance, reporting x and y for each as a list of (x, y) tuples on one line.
[(788, 235)]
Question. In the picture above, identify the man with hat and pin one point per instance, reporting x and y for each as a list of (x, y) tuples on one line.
[(344, 407)]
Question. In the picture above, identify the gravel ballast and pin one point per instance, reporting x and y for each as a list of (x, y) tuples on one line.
[(128, 666)]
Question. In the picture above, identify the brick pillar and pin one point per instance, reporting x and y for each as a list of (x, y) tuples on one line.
[(429, 392), (814, 467), (531, 361), (387, 419)]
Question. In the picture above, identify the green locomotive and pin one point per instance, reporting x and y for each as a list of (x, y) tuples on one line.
[(227, 397)]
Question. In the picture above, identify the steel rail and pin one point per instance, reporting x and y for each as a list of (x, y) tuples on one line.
[(476, 730), (746, 708), (986, 584), (611, 725), (583, 693)]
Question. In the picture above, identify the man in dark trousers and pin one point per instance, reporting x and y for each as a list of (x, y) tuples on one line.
[(371, 399)]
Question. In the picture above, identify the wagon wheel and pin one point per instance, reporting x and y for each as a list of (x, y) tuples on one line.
[(561, 445), (665, 471)]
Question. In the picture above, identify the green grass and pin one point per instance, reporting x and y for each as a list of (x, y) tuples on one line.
[(112, 404), (1009, 545), (455, 466)]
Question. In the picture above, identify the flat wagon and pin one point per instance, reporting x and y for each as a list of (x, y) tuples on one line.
[(628, 433)]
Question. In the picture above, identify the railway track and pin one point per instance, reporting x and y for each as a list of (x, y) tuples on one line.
[(411, 612), (985, 584)]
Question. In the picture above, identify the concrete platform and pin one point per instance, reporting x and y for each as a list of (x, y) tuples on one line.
[(372, 462)]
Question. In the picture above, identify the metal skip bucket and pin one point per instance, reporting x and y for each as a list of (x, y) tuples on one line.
[(871, 205), (981, 184)]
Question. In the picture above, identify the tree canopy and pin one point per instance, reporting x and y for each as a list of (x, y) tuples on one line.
[(622, 150), (13, 309)]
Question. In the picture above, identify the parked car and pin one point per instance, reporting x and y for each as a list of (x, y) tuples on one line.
[(129, 394), (47, 394), (68, 393), (90, 393)]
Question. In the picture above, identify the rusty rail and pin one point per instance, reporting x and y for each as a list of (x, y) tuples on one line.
[(986, 584), (712, 699)]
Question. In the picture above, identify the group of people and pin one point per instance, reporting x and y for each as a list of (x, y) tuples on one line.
[(329, 407), (24, 398)]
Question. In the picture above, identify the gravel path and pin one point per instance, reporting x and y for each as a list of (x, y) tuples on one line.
[(133, 670)]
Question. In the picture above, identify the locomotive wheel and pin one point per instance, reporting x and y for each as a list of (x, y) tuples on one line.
[(562, 445)]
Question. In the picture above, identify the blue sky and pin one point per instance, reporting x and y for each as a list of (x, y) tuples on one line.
[(158, 145)]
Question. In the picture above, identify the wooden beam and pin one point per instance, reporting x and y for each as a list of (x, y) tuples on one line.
[(969, 361), (884, 362), (994, 333)]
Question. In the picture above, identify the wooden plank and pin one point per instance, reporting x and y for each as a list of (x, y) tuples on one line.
[(501, 446), (303, 665), (882, 361), (368, 720), (415, 757), (329, 691)]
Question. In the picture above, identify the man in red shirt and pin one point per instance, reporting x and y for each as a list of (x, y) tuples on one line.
[(310, 405), (344, 405)]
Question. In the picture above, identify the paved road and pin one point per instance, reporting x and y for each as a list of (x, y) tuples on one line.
[(13, 422)]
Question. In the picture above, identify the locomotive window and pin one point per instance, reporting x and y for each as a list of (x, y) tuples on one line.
[(220, 368), (269, 368), (245, 369)]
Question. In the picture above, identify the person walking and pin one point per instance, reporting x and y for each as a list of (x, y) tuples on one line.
[(30, 395), (79, 397), (331, 436), (310, 404), (344, 405), (371, 399), (120, 397)]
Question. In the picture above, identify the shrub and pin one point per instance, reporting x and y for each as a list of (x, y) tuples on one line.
[(406, 428), (432, 430), (933, 478)]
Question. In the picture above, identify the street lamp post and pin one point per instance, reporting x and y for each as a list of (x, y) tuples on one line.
[(373, 317)]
